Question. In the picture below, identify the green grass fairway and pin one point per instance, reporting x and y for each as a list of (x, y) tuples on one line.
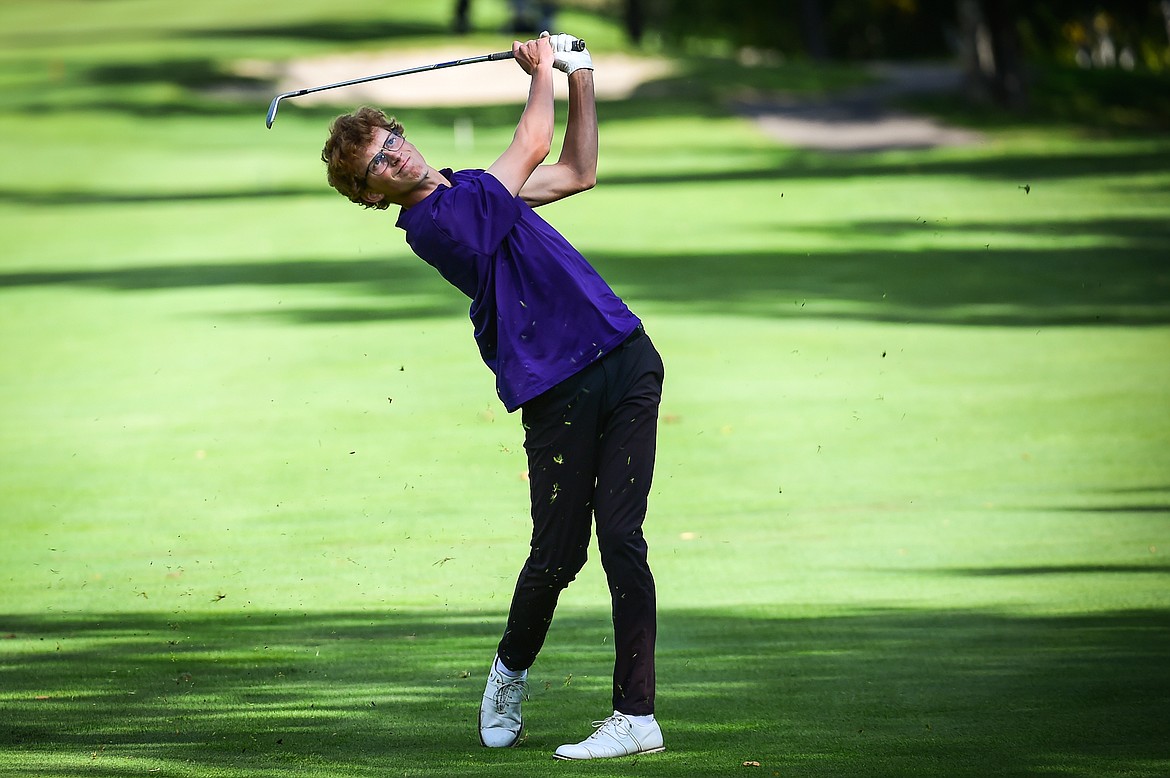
[(261, 512)]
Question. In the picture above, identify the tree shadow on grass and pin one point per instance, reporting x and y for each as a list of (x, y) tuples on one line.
[(190, 73), (354, 31), (1001, 572), (1123, 284), (205, 73), (1023, 173), (879, 693), (1011, 288), (1018, 169), (84, 198)]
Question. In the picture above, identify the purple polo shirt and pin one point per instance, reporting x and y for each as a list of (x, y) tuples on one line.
[(541, 312)]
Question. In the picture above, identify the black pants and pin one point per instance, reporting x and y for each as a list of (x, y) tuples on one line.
[(591, 443)]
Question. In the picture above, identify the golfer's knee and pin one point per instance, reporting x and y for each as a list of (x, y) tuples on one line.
[(556, 574), (623, 543)]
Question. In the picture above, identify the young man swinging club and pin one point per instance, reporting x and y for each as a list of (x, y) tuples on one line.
[(566, 352)]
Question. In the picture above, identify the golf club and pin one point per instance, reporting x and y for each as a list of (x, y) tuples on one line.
[(499, 55)]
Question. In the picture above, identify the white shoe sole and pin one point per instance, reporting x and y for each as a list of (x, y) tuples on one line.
[(657, 750)]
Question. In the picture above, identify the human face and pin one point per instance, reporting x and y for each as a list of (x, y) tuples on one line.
[(396, 168), (381, 160)]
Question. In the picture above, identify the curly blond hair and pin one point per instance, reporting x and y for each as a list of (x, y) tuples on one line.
[(344, 153)]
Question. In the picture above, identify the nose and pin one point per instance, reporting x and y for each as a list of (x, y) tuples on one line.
[(394, 156)]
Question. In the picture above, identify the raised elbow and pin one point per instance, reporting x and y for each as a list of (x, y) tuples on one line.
[(540, 144), (537, 143)]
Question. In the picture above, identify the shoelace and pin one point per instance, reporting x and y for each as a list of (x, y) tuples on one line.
[(511, 692), (616, 727)]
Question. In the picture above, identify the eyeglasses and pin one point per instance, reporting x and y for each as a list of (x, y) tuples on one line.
[(380, 161)]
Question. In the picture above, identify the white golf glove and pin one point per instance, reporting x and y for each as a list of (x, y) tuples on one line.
[(564, 58)]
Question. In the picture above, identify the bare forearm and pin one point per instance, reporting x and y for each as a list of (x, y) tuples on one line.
[(532, 140), (579, 152), (538, 120), (576, 168)]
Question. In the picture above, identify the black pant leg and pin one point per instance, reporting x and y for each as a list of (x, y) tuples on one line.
[(625, 473), (561, 434)]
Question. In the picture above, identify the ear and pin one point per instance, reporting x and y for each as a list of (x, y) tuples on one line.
[(372, 197)]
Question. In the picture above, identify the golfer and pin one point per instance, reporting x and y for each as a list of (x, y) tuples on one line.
[(566, 352)]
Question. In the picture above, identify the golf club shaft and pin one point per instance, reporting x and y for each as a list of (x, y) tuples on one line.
[(499, 55), (407, 72), (272, 109)]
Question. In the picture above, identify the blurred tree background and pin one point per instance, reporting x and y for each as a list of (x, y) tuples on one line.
[(1121, 47)]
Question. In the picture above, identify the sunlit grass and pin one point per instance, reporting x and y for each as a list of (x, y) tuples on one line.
[(263, 514)]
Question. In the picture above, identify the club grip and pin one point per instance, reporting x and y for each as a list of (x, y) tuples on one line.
[(578, 45)]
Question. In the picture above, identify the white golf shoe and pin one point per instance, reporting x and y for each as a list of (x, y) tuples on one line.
[(500, 724), (618, 735)]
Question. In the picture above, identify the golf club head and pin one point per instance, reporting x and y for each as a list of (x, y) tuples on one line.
[(271, 117)]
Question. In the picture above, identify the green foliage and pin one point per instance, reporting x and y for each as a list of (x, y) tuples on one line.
[(1059, 29), (902, 29), (852, 29), (1106, 101)]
